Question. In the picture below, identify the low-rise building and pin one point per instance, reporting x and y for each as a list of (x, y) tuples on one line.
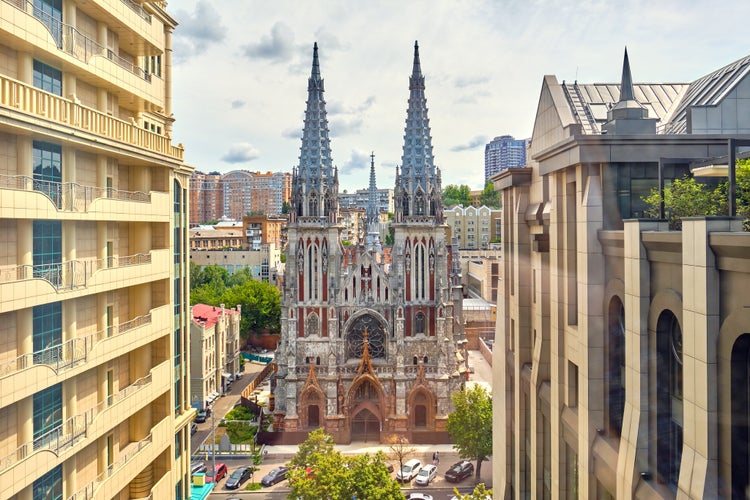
[(262, 263), (473, 227)]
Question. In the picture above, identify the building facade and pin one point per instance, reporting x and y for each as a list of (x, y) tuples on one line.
[(621, 349), (360, 199), (209, 238), (473, 227), (248, 192), (366, 353), (206, 198), (502, 153), (262, 263), (214, 352), (263, 229), (93, 276)]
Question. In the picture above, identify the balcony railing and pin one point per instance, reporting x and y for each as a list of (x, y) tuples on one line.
[(138, 10), (30, 100), (73, 430), (72, 274), (70, 196), (71, 352), (75, 43), (87, 492)]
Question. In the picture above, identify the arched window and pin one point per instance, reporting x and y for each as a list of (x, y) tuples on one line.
[(328, 204), (419, 323), (313, 416), (669, 415), (405, 203), (615, 365), (415, 360), (740, 392), (312, 205), (313, 273), (420, 272), (419, 203)]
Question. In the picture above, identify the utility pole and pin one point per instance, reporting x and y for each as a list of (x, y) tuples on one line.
[(213, 446)]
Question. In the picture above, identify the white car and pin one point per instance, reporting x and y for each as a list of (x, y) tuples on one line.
[(409, 470), (427, 474)]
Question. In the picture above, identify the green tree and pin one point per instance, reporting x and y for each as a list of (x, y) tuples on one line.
[(319, 471), (685, 198), (285, 207), (489, 196), (470, 424), (456, 195), (480, 493)]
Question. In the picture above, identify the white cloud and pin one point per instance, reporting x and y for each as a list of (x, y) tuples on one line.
[(240, 153), (276, 47)]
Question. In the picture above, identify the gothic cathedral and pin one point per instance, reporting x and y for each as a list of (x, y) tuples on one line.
[(370, 346)]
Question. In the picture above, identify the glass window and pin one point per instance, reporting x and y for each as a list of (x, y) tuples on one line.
[(49, 486), (47, 332), (47, 247), (47, 413), (47, 78), (50, 13), (47, 163), (669, 418)]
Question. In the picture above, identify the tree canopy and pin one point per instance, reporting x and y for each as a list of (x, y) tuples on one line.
[(319, 472), (480, 493), (260, 301), (470, 424), (489, 196), (456, 195)]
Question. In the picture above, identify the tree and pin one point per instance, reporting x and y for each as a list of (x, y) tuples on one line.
[(319, 471), (470, 424), (480, 493), (489, 196), (285, 207), (400, 448), (456, 195), (687, 197)]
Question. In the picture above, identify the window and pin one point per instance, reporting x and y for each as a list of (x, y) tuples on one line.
[(47, 414), (615, 366), (47, 332), (49, 486), (419, 323), (47, 247), (47, 78), (669, 417), (47, 163), (50, 13)]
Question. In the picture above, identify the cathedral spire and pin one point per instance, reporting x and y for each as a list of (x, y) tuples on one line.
[(315, 185), (373, 211), (626, 86), (417, 190)]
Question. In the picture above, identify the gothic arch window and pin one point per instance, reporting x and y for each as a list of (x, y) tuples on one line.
[(420, 272), (419, 203), (425, 360), (669, 415), (415, 360), (312, 205), (419, 323), (313, 272), (312, 325), (375, 337), (740, 391), (405, 203), (615, 365), (420, 410), (433, 204), (328, 204)]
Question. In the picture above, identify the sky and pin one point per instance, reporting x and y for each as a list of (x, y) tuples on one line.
[(241, 68)]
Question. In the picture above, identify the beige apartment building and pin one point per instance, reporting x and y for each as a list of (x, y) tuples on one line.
[(622, 345), (473, 227), (214, 352), (94, 391)]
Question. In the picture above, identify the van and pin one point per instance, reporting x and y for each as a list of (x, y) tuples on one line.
[(410, 469)]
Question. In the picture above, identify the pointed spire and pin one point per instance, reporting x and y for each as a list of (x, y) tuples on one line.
[(416, 80), (626, 86), (315, 63)]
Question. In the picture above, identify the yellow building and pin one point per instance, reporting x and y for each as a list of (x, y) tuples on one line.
[(474, 227), (94, 382)]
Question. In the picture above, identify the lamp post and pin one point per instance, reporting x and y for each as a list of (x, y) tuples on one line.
[(213, 446)]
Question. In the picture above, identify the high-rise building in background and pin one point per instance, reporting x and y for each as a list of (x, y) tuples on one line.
[(368, 348), (206, 198), (502, 153), (622, 345), (94, 378)]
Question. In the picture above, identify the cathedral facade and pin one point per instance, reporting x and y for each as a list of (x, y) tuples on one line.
[(371, 344)]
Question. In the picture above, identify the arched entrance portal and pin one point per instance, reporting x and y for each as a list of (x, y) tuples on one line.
[(365, 426)]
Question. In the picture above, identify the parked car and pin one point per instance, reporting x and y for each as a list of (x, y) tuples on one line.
[(427, 474), (201, 416), (275, 476), (418, 496), (197, 467), (238, 477), (459, 471), (193, 428), (216, 474), (409, 470)]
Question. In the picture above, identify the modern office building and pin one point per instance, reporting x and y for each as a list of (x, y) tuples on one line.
[(473, 227), (622, 346), (502, 153), (94, 391), (214, 352), (368, 350)]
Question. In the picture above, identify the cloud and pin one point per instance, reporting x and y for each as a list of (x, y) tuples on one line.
[(292, 133), (468, 81), (359, 160), (345, 126), (477, 141), (237, 104), (240, 152), (276, 47), (338, 108), (472, 98), (197, 31)]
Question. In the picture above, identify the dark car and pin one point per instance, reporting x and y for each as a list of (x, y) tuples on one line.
[(193, 428), (216, 474), (275, 476), (459, 471), (201, 416), (238, 477)]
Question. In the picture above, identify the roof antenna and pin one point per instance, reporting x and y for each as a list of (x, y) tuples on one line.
[(576, 80)]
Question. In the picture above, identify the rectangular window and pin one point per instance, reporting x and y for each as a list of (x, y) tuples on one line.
[(50, 485), (177, 446), (47, 332), (47, 169), (47, 248), (47, 414), (47, 78), (572, 385)]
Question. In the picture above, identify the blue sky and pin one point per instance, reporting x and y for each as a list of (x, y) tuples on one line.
[(241, 68)]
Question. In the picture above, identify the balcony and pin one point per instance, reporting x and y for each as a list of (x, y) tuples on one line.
[(30, 460), (32, 372), (31, 104), (29, 285), (73, 201)]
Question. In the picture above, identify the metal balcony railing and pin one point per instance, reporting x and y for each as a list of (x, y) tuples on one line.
[(138, 9), (73, 42), (72, 431), (71, 352), (70, 196)]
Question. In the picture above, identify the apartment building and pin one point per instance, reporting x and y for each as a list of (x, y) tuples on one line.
[(248, 192), (210, 238), (94, 385), (622, 345), (214, 352), (206, 198), (473, 227), (264, 228), (262, 263)]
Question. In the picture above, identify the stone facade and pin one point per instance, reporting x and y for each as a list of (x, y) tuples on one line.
[(367, 351)]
